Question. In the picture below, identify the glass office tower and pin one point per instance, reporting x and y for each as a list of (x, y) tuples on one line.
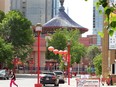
[(97, 22), (36, 10)]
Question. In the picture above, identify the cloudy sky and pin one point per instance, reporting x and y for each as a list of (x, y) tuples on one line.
[(81, 12)]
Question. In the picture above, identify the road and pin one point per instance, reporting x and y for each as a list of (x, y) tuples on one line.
[(30, 80)]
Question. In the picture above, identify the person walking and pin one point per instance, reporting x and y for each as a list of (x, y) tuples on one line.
[(13, 78)]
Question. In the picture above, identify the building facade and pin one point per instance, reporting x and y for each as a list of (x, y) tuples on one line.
[(35, 10), (89, 40), (97, 22), (55, 9), (5, 5)]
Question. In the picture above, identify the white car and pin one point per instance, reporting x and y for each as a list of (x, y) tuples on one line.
[(60, 75), (4, 74)]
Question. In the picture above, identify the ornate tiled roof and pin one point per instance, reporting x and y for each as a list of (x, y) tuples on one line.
[(62, 20)]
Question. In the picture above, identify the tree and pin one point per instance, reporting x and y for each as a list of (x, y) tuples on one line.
[(2, 15), (77, 52), (109, 13), (15, 29), (6, 52), (92, 51), (97, 61), (59, 41)]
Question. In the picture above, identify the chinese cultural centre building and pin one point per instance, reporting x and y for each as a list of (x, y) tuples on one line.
[(60, 21)]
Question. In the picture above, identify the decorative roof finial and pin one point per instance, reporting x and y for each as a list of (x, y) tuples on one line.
[(61, 2)]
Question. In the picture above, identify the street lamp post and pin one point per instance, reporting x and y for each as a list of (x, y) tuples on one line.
[(38, 29), (68, 45)]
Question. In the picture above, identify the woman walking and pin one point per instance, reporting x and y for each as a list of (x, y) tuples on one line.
[(13, 78)]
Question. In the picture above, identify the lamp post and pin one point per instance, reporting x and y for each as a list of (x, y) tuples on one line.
[(68, 45), (38, 29)]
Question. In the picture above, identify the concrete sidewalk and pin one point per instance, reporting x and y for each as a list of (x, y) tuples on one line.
[(32, 79)]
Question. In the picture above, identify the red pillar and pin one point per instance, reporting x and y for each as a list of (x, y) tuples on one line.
[(38, 82), (68, 64)]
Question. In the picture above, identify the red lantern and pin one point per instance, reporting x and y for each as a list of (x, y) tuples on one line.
[(61, 52), (50, 64), (65, 52), (19, 63), (50, 48), (55, 51)]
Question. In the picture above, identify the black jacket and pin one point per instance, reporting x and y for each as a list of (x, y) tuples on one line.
[(13, 77)]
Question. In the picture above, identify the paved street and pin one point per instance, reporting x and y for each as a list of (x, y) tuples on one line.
[(30, 80), (30, 83)]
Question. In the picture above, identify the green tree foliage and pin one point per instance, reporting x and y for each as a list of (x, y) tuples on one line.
[(59, 41), (77, 52), (92, 51), (62, 66), (109, 9), (89, 70), (97, 61), (15, 29), (6, 52), (2, 15)]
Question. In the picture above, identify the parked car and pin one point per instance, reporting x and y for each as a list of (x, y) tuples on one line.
[(49, 78), (60, 75), (4, 74)]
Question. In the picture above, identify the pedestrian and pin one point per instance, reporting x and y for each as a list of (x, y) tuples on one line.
[(13, 78), (111, 81)]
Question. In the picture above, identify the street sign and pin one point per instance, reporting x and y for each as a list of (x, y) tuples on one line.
[(87, 82), (112, 42)]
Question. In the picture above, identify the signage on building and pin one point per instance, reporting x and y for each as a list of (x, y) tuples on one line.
[(112, 42)]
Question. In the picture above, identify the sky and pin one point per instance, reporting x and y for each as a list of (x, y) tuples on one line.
[(81, 12)]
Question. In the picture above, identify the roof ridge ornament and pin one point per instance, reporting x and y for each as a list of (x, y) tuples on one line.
[(62, 7), (61, 2)]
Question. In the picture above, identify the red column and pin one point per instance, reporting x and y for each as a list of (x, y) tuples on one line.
[(38, 57), (68, 64), (38, 82)]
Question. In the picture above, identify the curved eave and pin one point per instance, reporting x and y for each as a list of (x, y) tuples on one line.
[(62, 20), (52, 29)]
